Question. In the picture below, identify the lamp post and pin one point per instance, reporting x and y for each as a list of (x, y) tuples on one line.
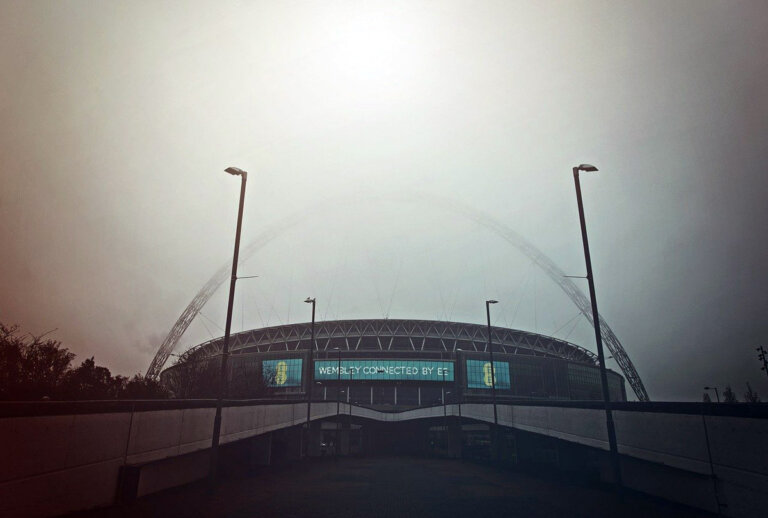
[(494, 435), (445, 410), (460, 395), (338, 401), (349, 396), (493, 368), (596, 324), (213, 469), (717, 394), (310, 369)]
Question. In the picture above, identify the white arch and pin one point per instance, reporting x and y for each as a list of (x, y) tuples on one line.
[(523, 245)]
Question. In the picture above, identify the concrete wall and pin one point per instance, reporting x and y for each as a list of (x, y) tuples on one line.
[(55, 464), (52, 464), (674, 446)]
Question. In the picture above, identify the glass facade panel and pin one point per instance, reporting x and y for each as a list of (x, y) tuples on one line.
[(244, 379), (360, 394), (282, 373), (529, 378), (318, 392), (479, 374), (615, 385), (431, 396), (384, 395), (584, 382), (407, 395)]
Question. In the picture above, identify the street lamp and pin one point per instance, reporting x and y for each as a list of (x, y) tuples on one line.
[(338, 401), (310, 368), (494, 435), (225, 349), (717, 394), (596, 324), (460, 395), (493, 368), (445, 408), (349, 395)]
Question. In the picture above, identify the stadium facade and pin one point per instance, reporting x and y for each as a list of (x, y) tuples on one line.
[(392, 364)]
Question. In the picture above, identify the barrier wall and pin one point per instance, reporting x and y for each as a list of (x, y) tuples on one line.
[(69, 459), (702, 460), (53, 464)]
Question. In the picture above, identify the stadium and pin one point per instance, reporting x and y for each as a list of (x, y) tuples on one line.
[(393, 365)]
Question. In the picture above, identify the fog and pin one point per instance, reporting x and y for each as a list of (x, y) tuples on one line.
[(117, 120)]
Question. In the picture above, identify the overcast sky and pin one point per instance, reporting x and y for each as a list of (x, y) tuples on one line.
[(118, 118)]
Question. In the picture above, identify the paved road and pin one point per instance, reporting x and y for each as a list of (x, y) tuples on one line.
[(393, 488)]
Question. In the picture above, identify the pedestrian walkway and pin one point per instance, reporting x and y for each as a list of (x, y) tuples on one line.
[(394, 487)]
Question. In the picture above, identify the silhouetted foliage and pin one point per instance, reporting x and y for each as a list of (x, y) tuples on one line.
[(249, 384), (90, 381), (141, 387), (194, 376), (706, 398), (729, 396), (193, 379), (32, 368), (750, 396)]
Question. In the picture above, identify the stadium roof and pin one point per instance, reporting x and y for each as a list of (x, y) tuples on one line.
[(393, 335)]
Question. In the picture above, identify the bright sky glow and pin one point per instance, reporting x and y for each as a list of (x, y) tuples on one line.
[(119, 118)]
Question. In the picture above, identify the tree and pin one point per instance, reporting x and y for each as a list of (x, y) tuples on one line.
[(193, 379), (706, 398), (89, 381), (141, 387), (750, 396), (729, 396), (30, 368), (197, 376), (10, 362)]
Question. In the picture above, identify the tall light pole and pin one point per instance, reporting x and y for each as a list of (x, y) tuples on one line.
[(338, 401), (717, 394), (493, 368), (460, 395), (445, 410), (596, 324), (213, 470), (310, 368), (349, 400), (495, 434)]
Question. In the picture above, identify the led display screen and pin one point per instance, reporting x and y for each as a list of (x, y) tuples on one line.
[(411, 370), (479, 374), (282, 373)]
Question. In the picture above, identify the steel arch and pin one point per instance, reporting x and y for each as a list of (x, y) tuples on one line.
[(541, 260)]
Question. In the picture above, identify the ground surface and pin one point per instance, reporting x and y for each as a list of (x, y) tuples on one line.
[(394, 488)]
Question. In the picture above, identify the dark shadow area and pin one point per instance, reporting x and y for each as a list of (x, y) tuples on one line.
[(392, 486)]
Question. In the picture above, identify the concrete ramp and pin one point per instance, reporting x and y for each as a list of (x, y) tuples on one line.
[(62, 457)]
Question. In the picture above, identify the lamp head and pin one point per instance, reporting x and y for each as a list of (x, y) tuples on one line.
[(236, 171), (587, 168), (491, 301), (310, 300)]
